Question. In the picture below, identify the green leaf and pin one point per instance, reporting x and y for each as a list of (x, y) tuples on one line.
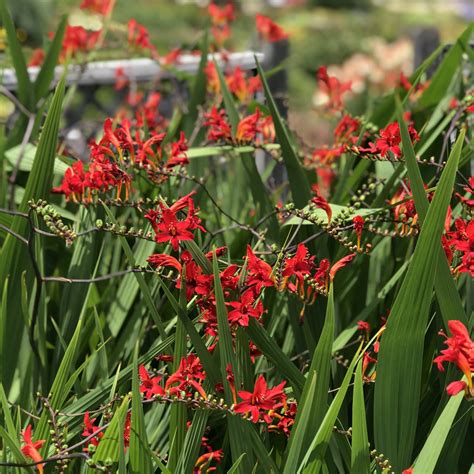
[(140, 460), (448, 68), (46, 73), (360, 456), (446, 291), (429, 454), (397, 389), (110, 445), (25, 90), (299, 184), (316, 399), (316, 452)]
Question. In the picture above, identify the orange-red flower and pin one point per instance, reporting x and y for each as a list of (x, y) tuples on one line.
[(332, 88), (460, 351), (358, 222), (261, 400), (340, 264), (269, 30), (30, 448)]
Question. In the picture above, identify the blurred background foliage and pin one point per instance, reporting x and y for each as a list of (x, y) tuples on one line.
[(323, 32)]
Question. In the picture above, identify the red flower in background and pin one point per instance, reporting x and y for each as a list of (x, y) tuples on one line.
[(178, 156), (321, 203), (340, 264), (37, 57), (248, 127), (102, 7), (262, 399), (269, 30), (30, 448), (460, 351), (219, 127), (332, 88), (139, 37), (221, 18), (77, 39)]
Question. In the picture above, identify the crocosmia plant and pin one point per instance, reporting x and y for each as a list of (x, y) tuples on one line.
[(200, 290)]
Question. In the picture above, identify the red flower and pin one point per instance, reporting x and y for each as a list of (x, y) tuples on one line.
[(77, 39), (460, 351), (139, 37), (321, 203), (221, 15), (300, 265), (346, 130), (150, 386), (102, 7), (269, 30), (30, 448), (89, 429), (259, 273), (332, 88), (340, 264), (245, 309), (469, 189), (189, 374), (262, 398), (164, 260), (220, 128), (455, 387), (358, 222), (178, 152), (248, 128), (363, 326), (37, 57), (390, 139)]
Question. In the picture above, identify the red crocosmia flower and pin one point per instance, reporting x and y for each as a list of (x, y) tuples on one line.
[(245, 309), (149, 386), (102, 7), (259, 273), (77, 39), (203, 461), (121, 79), (248, 128), (332, 88), (262, 398), (90, 428), (460, 351), (455, 387), (462, 240), (178, 152), (390, 139), (30, 448), (300, 265), (358, 222), (340, 264), (367, 359), (164, 260), (363, 326), (189, 374), (219, 127), (172, 230), (267, 128), (326, 155), (213, 83), (269, 30), (221, 15), (172, 57), (74, 182), (321, 203), (346, 130), (139, 37), (408, 471), (37, 57), (126, 430)]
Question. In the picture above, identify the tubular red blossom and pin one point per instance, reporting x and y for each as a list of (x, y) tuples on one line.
[(358, 222), (90, 428), (321, 203), (300, 265), (262, 399), (259, 273), (164, 260), (248, 128), (139, 37), (149, 386), (30, 448), (460, 351), (332, 88), (268, 29), (340, 264), (455, 387), (219, 127), (77, 39), (189, 374), (221, 15), (363, 326), (178, 156), (245, 309)]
